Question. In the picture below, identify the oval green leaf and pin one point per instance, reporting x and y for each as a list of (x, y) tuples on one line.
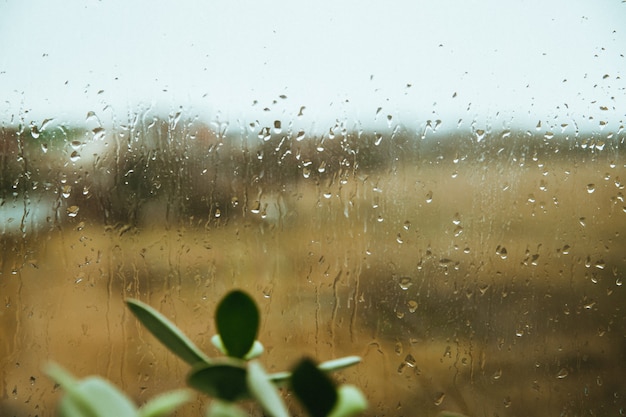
[(90, 397), (264, 392), (237, 320), (351, 402), (167, 332), (165, 404), (226, 381), (314, 388)]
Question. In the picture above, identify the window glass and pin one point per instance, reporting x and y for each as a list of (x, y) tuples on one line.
[(438, 188)]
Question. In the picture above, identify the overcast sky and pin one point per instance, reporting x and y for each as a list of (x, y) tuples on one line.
[(491, 62)]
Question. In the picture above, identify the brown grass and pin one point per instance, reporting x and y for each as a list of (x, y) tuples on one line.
[(380, 268)]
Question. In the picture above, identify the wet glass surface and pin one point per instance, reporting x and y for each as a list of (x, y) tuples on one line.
[(472, 252), (478, 277)]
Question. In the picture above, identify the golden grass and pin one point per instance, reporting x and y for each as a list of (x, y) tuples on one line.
[(405, 267)]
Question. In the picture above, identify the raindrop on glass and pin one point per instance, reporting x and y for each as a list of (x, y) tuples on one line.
[(405, 283), (72, 211), (439, 397)]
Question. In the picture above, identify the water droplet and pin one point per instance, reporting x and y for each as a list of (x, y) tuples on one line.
[(399, 239), (563, 373), (66, 190), (98, 133), (457, 231), (412, 304), (405, 283), (34, 131), (44, 147), (582, 221), (398, 348), (379, 139), (401, 367), (591, 188), (497, 375), (265, 134), (507, 402), (429, 197), (218, 213), (278, 127), (72, 211), (439, 397), (480, 135), (255, 207), (410, 360), (456, 219), (75, 156), (300, 136), (501, 252), (407, 225)]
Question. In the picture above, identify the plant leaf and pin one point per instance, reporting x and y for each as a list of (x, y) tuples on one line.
[(90, 397), (165, 404), (350, 403), (256, 350), (226, 381), (340, 363), (237, 321), (167, 332), (314, 388), (224, 409), (281, 378), (264, 391)]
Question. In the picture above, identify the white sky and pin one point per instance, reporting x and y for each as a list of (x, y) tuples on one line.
[(495, 62)]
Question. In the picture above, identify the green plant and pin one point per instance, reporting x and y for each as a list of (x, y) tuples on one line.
[(228, 379)]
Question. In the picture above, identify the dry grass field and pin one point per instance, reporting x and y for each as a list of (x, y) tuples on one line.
[(484, 280)]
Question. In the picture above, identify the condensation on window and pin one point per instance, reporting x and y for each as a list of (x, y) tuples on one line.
[(475, 263), (478, 272)]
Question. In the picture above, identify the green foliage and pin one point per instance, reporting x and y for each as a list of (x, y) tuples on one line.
[(167, 333), (96, 397), (237, 322), (233, 377), (319, 401), (226, 381)]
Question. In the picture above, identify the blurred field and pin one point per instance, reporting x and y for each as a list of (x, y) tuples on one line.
[(480, 279)]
